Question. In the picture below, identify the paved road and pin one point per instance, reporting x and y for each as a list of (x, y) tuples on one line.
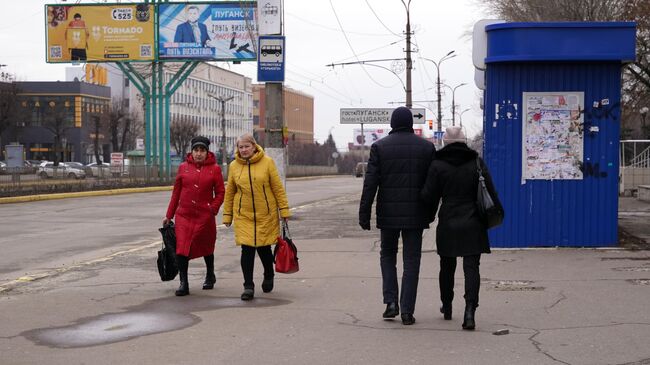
[(42, 236), (561, 306)]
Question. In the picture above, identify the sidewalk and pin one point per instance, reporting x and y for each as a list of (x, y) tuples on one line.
[(575, 306)]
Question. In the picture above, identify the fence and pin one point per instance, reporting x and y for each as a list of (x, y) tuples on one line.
[(634, 165)]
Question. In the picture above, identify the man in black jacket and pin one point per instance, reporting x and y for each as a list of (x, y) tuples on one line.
[(397, 168)]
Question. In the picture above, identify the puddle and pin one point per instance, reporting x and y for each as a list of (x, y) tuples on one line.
[(154, 316)]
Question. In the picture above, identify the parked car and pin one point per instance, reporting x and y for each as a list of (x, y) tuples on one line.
[(360, 169), (93, 169), (48, 170), (27, 168), (3, 168)]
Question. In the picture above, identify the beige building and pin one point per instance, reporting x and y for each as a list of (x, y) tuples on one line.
[(298, 115)]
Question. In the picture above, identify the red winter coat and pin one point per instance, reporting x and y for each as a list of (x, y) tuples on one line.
[(196, 199)]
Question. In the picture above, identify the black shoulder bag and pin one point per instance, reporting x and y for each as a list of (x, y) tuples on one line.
[(490, 213)]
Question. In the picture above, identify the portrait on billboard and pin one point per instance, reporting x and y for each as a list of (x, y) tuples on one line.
[(217, 31), (99, 33)]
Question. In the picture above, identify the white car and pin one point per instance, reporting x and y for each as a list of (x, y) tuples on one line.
[(48, 170), (93, 169)]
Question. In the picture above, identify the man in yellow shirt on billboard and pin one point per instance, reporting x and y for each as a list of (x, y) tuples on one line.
[(77, 37)]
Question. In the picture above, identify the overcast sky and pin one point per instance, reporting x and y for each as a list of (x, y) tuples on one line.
[(320, 32)]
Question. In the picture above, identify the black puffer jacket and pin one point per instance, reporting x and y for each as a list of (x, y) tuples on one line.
[(453, 177), (397, 167)]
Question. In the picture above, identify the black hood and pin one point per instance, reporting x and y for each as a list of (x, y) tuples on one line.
[(401, 120), (456, 154)]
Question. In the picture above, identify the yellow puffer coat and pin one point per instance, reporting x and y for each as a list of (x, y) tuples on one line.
[(254, 195)]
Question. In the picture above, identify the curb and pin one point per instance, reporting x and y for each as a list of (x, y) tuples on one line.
[(81, 194)]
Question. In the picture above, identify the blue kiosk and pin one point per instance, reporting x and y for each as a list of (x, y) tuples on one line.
[(552, 125)]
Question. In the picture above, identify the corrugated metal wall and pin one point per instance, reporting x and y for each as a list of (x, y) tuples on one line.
[(561, 212)]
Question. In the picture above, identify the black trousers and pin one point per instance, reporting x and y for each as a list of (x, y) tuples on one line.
[(472, 278), (412, 245), (248, 263)]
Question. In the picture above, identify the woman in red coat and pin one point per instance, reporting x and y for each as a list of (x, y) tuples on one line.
[(196, 199)]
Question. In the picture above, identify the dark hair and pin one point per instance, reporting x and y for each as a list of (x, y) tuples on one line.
[(192, 7), (77, 15)]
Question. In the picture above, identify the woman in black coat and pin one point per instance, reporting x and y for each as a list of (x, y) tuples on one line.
[(453, 177)]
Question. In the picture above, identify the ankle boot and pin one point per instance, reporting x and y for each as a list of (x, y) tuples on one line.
[(210, 279), (184, 288), (267, 284), (446, 311), (468, 321)]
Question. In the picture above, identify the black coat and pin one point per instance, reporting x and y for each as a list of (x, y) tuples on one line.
[(453, 177), (397, 169)]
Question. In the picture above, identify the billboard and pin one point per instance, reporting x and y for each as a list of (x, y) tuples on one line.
[(100, 33), (369, 136), (224, 31)]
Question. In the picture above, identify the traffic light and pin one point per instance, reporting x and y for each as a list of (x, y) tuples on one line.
[(430, 124)]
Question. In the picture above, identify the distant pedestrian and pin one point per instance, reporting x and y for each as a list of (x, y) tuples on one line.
[(453, 177), (255, 201), (196, 199), (396, 172)]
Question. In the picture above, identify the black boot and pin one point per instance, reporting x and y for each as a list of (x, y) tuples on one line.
[(210, 278), (446, 311), (468, 321), (392, 310), (184, 288), (267, 284)]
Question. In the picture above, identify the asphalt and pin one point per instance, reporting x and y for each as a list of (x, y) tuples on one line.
[(558, 306)]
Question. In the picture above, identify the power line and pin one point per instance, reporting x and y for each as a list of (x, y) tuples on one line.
[(334, 29), (352, 49), (382, 23)]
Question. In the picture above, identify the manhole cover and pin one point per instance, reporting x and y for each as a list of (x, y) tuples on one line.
[(640, 281), (515, 285)]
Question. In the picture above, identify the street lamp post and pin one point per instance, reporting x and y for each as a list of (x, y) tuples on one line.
[(222, 100), (460, 116), (453, 101), (643, 111), (437, 64)]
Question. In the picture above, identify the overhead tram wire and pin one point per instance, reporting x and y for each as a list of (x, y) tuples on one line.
[(382, 23), (319, 82), (348, 102), (352, 48), (334, 29)]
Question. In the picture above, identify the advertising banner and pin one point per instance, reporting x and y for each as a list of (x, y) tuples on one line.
[(224, 31), (100, 33), (369, 136)]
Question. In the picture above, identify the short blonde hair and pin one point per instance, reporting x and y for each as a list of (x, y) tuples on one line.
[(247, 137)]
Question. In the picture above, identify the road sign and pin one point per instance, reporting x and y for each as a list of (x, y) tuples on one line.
[(376, 115), (270, 59)]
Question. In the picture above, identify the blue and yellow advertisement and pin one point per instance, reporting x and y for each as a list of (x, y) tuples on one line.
[(224, 31), (100, 33)]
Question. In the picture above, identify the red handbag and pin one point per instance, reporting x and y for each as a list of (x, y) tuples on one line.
[(285, 252)]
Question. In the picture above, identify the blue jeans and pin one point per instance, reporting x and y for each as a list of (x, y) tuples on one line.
[(412, 245)]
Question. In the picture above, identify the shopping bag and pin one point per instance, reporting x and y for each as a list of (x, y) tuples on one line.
[(285, 252), (490, 213), (166, 262)]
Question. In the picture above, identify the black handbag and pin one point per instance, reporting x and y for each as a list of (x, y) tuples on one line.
[(167, 267), (490, 213)]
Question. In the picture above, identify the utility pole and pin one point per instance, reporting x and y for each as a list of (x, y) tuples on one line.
[(222, 143), (409, 61), (437, 64)]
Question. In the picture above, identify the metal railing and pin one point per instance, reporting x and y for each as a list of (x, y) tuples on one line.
[(634, 165)]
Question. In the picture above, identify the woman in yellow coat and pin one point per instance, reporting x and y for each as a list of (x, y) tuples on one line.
[(255, 200)]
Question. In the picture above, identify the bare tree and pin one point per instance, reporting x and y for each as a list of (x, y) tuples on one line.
[(96, 121), (181, 132), (122, 126), (58, 117), (8, 106), (636, 78)]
